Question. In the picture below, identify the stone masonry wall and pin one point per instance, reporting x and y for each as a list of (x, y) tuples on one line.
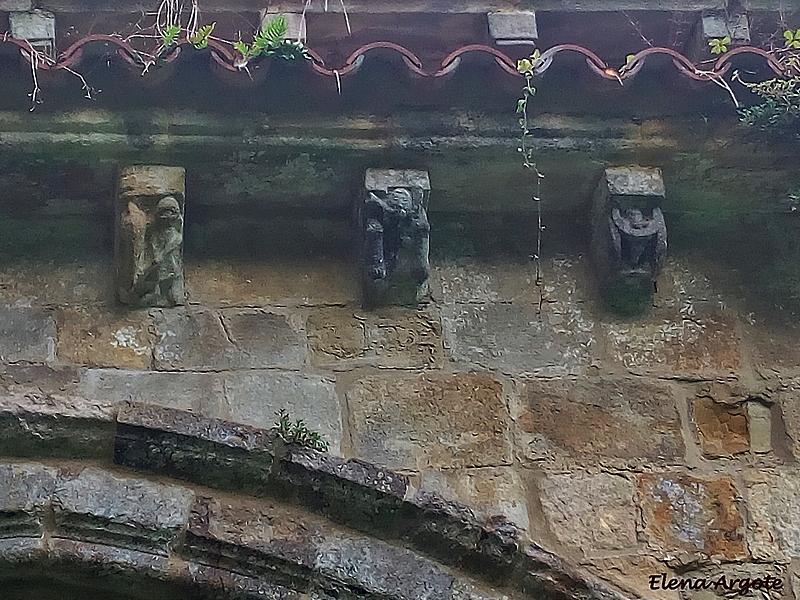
[(631, 446)]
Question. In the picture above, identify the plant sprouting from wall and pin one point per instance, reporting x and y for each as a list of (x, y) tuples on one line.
[(779, 110), (271, 41), (719, 45), (298, 433)]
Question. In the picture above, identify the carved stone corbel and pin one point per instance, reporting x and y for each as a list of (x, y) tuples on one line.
[(149, 236), (629, 235), (393, 221)]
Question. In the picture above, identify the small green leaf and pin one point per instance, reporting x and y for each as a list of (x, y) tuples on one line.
[(170, 35), (521, 104), (524, 65), (629, 59), (719, 45), (200, 39), (242, 48), (274, 30)]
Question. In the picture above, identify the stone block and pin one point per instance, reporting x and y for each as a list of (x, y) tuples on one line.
[(518, 338), (509, 28), (104, 339), (429, 421), (210, 452), (134, 513), (634, 181), (27, 335), (300, 282), (614, 422), (274, 531), (104, 558), (489, 491), (335, 335), (689, 519), (16, 5), (716, 24), (702, 347), (40, 381), (35, 26), (55, 426), (403, 338), (25, 492), (208, 340), (595, 513), (49, 284), (479, 283), (399, 338), (632, 573), (198, 392), (250, 587), (788, 396), (382, 570), (255, 397), (773, 501), (759, 420), (722, 428)]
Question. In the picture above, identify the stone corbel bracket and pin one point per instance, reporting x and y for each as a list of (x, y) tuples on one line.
[(395, 236), (629, 235), (149, 236), (309, 524)]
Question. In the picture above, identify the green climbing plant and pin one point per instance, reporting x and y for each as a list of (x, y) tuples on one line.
[(297, 432), (527, 68)]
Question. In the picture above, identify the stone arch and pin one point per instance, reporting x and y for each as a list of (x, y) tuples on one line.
[(189, 505)]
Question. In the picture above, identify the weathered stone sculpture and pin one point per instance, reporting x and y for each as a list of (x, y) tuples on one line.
[(149, 241), (629, 235), (395, 236)]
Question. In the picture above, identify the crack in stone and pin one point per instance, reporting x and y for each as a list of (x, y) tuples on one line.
[(228, 336)]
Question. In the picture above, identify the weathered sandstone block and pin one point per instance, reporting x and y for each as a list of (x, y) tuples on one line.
[(134, 513), (104, 339), (619, 422), (773, 503), (722, 428), (429, 421), (27, 335), (689, 518), (594, 513), (210, 340)]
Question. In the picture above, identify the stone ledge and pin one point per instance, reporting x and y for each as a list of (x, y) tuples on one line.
[(44, 425)]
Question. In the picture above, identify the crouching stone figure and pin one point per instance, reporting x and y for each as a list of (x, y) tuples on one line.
[(395, 236), (629, 235)]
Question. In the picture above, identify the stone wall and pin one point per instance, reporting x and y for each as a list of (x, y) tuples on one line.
[(665, 443)]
